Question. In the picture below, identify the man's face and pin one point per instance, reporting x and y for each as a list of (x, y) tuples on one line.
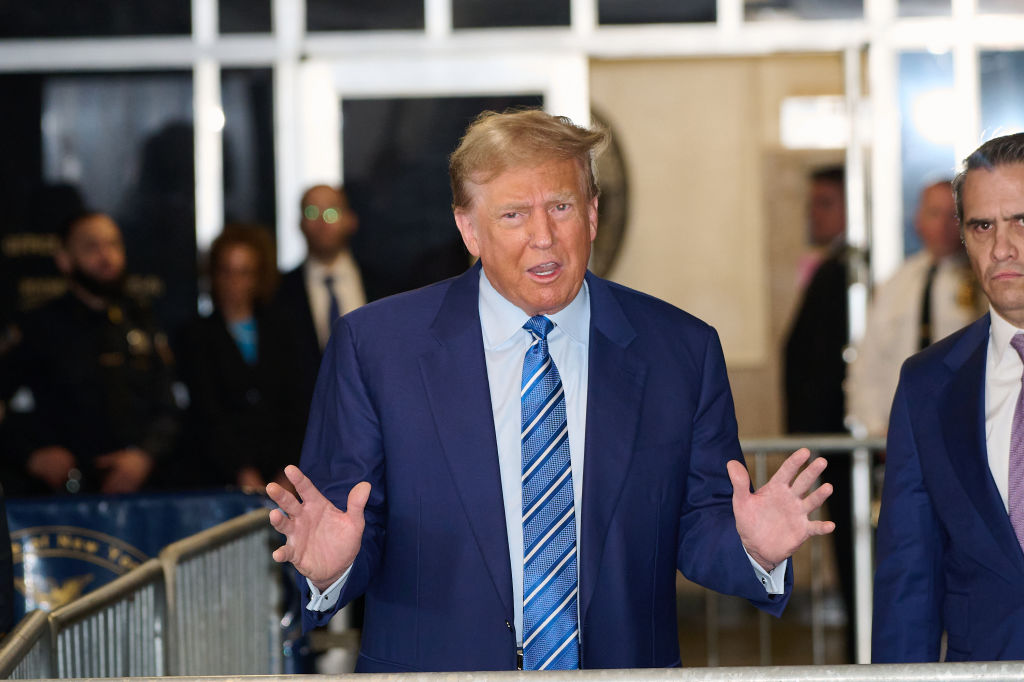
[(936, 221), (827, 212), (993, 204), (532, 228), (94, 254), (327, 222)]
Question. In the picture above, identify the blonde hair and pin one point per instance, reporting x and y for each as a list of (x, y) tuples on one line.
[(495, 142)]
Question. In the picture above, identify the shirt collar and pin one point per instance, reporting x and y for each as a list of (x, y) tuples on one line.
[(1000, 333), (501, 319), (341, 266)]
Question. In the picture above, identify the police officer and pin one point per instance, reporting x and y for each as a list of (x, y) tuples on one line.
[(99, 373)]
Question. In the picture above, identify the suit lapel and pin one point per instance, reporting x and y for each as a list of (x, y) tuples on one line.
[(455, 378), (614, 397), (964, 434)]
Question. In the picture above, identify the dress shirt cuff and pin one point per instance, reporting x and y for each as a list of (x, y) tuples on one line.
[(325, 601), (774, 581)]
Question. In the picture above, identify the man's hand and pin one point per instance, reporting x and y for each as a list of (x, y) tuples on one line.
[(126, 470), (321, 540), (51, 465), (773, 521)]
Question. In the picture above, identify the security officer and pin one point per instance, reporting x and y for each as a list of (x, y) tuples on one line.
[(99, 373)]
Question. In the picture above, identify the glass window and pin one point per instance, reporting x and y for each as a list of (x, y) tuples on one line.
[(248, 139), (999, 6), (500, 13), (1002, 93), (655, 11), (927, 131), (925, 8), (396, 175), (760, 10), (352, 15), (118, 143), (244, 16), (62, 19)]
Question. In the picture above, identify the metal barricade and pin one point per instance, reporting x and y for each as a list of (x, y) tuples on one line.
[(858, 451), (116, 631), (223, 596), (25, 651)]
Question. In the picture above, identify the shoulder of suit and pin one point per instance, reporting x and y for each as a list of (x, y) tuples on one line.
[(639, 304), (954, 349)]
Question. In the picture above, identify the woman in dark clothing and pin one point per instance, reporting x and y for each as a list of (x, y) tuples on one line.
[(240, 368)]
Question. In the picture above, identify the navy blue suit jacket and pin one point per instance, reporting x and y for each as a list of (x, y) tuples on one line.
[(402, 401), (948, 558)]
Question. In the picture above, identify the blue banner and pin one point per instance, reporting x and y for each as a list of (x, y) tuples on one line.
[(66, 546)]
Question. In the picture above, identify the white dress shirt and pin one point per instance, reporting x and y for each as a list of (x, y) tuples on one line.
[(348, 289), (893, 332), (1003, 368), (505, 346)]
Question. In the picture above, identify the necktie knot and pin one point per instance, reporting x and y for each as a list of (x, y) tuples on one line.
[(540, 327), (1018, 344), (329, 281)]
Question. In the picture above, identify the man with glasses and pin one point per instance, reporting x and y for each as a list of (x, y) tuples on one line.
[(327, 284)]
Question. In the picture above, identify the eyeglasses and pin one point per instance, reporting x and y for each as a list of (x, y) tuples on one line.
[(331, 214)]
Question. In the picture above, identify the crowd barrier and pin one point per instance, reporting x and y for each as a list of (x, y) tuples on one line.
[(1000, 671), (841, 451), (208, 605)]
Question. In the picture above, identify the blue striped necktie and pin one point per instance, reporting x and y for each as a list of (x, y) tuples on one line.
[(550, 624)]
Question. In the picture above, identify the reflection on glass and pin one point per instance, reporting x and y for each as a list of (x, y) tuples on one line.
[(94, 18), (928, 129), (249, 188), (999, 6), (1002, 93), (501, 13), (655, 11), (244, 16), (762, 10), (924, 8), (396, 177), (346, 15), (126, 142)]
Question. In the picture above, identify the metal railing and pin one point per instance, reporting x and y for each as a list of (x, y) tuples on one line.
[(115, 631), (1002, 671), (223, 592), (208, 605), (858, 451), (25, 651)]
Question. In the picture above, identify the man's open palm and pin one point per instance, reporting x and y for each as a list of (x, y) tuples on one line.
[(321, 540), (775, 520)]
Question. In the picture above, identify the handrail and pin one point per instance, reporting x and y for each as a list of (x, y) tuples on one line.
[(219, 535), (149, 573), (26, 649), (212, 573), (997, 671), (815, 442), (854, 453), (120, 626)]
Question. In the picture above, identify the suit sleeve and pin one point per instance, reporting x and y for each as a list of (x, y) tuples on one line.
[(909, 584), (343, 446), (710, 551)]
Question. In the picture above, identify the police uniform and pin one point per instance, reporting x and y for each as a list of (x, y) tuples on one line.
[(896, 329), (101, 381)]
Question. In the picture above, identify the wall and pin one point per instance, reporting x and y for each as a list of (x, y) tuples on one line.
[(716, 218)]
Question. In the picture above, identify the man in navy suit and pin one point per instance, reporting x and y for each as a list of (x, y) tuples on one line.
[(949, 557), (414, 484)]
